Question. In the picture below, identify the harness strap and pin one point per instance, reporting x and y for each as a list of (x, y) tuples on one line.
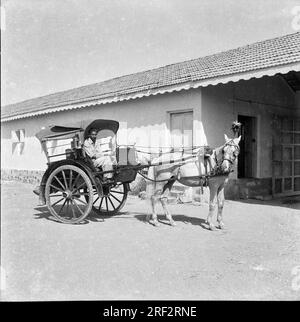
[(152, 180), (204, 179), (175, 161)]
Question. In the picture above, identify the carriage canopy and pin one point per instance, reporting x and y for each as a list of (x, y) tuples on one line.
[(58, 132), (55, 139), (55, 132)]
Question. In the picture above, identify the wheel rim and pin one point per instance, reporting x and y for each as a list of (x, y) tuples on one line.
[(112, 201), (69, 194)]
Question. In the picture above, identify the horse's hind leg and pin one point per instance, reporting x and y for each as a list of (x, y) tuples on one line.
[(221, 199), (164, 202)]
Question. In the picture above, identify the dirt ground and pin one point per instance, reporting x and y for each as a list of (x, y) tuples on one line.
[(122, 257)]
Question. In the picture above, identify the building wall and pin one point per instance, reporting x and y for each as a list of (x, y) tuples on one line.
[(261, 98), (143, 121), (146, 122)]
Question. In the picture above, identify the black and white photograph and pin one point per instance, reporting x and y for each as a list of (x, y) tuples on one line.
[(150, 151)]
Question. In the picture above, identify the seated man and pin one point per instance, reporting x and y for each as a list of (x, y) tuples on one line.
[(100, 158)]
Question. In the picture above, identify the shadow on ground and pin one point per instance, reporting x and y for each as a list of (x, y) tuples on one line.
[(177, 218), (44, 213)]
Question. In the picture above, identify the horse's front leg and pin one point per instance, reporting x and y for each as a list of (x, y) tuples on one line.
[(221, 200), (164, 202), (153, 220), (212, 205)]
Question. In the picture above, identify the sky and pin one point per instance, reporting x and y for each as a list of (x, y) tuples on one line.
[(53, 45)]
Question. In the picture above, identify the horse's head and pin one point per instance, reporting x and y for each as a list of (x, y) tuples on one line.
[(230, 152)]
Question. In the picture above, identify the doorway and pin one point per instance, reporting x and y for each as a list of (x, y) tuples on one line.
[(247, 159)]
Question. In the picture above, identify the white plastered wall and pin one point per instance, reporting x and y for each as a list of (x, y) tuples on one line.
[(144, 122)]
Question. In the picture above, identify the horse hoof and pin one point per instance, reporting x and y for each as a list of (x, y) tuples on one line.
[(221, 226), (212, 227), (155, 223)]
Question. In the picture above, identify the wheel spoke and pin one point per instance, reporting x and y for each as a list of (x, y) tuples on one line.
[(67, 210), (62, 207), (60, 183), (55, 187), (65, 180), (101, 203), (122, 193), (115, 198), (74, 202), (74, 216), (111, 203), (59, 195), (57, 202), (75, 181), (71, 177), (106, 204), (96, 200)]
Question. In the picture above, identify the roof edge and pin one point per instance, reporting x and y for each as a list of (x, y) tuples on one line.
[(280, 69)]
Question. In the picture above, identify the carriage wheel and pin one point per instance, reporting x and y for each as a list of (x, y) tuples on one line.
[(69, 194), (112, 201)]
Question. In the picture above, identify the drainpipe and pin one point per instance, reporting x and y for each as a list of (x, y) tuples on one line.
[(297, 103)]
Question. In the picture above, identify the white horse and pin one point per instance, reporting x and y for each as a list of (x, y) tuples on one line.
[(204, 169)]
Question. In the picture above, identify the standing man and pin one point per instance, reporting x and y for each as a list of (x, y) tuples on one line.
[(100, 158), (236, 128)]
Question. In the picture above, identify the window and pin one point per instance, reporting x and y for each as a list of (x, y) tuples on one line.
[(182, 129), (18, 141)]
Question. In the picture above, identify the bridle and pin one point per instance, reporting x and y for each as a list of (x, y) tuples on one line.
[(218, 169), (234, 154)]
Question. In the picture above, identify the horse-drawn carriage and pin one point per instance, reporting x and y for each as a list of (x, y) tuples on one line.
[(72, 186)]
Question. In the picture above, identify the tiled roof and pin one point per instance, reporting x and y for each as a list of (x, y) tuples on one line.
[(262, 55)]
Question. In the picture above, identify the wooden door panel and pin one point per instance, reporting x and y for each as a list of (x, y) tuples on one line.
[(286, 156)]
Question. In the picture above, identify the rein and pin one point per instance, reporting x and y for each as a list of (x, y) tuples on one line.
[(215, 171), (172, 150), (180, 163)]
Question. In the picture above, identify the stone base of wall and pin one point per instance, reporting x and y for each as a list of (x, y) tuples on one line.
[(249, 188), (28, 176)]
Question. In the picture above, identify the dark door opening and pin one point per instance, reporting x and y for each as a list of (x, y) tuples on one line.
[(247, 157)]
